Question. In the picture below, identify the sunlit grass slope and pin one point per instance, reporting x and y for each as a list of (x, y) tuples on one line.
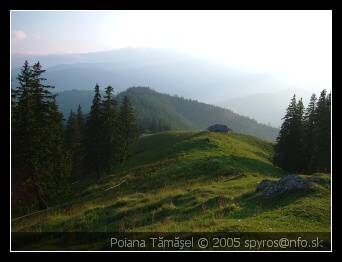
[(187, 181)]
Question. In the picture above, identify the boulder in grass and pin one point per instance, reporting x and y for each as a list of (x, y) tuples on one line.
[(286, 184), (264, 184)]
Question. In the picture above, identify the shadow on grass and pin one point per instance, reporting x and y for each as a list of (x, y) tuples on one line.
[(203, 170), (164, 145), (122, 216)]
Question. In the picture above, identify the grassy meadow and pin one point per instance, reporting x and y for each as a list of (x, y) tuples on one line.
[(181, 181)]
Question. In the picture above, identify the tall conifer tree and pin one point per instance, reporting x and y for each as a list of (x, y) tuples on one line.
[(37, 135), (94, 148), (73, 141), (127, 128), (288, 147), (109, 131), (80, 119), (322, 134), (309, 126)]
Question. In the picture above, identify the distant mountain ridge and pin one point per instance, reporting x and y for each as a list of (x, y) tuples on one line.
[(166, 70), (266, 107), (177, 112)]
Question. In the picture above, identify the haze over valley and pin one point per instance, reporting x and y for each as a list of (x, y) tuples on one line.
[(224, 58), (172, 72)]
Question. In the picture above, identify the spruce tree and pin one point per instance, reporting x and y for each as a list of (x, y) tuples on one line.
[(322, 133), (73, 141), (94, 147), (304, 141), (308, 138), (80, 118), (37, 135), (109, 130), (127, 128), (61, 164), (69, 130), (288, 149), (22, 121), (298, 130), (81, 149)]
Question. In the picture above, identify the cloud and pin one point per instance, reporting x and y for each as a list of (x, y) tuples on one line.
[(18, 36)]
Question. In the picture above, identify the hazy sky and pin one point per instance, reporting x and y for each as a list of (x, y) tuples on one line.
[(295, 46)]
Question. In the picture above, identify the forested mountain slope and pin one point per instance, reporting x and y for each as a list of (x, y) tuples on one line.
[(173, 111)]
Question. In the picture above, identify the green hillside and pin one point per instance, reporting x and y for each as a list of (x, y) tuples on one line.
[(181, 113), (173, 111), (187, 181)]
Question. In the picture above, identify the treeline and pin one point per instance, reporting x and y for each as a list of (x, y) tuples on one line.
[(152, 125), (180, 113), (100, 140), (46, 155), (304, 141)]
